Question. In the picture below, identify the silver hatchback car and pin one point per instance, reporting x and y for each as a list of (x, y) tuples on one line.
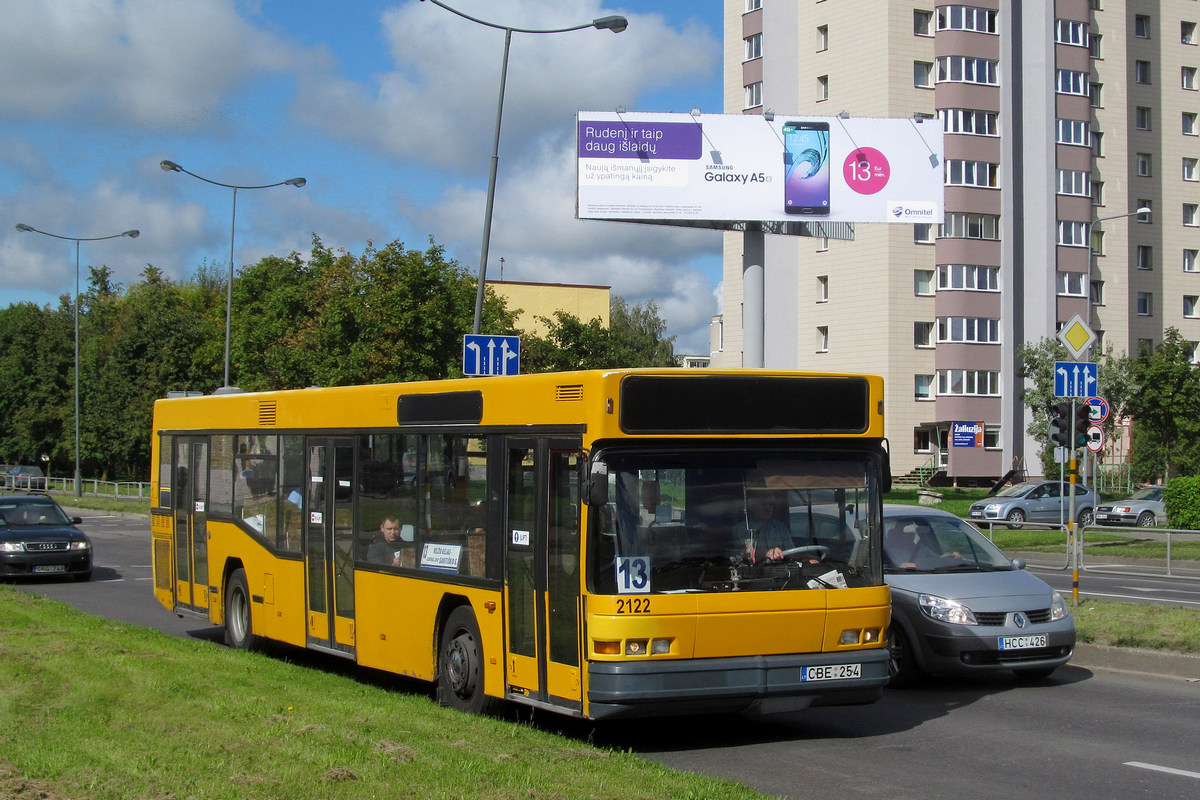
[(959, 605), (1036, 501)]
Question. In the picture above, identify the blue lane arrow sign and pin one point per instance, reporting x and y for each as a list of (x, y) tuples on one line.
[(1075, 378), (491, 355)]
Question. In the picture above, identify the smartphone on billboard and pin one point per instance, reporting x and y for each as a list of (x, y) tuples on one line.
[(806, 167)]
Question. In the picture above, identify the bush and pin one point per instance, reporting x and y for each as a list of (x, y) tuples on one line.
[(1182, 501)]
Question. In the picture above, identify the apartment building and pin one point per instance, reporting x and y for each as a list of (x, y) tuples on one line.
[(1061, 119)]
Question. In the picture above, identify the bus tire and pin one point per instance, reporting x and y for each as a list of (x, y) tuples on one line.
[(239, 629), (460, 665)]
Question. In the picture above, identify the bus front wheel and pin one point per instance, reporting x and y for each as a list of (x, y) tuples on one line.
[(239, 631), (460, 665)]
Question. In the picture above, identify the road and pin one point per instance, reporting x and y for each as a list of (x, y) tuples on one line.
[(1083, 733)]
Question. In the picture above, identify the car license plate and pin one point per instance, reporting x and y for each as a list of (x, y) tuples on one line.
[(832, 672), (50, 568), (1022, 642)]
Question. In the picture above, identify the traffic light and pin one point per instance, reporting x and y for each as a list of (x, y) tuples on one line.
[(1060, 423), (1083, 421)]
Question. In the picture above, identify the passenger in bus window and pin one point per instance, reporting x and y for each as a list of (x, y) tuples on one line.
[(387, 549)]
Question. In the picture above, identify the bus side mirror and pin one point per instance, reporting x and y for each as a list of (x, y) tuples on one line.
[(595, 483)]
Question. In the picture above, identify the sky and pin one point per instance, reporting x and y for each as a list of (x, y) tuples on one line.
[(387, 109)]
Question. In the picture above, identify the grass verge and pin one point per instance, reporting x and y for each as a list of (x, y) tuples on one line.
[(99, 709), (1136, 625)]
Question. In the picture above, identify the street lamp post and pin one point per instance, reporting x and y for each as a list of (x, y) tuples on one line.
[(171, 166), (1091, 253), (616, 24), (133, 234)]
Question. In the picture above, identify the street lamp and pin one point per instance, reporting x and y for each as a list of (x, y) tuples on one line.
[(1091, 252), (615, 24), (21, 226), (171, 166)]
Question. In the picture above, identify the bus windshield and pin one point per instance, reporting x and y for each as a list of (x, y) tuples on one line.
[(736, 520)]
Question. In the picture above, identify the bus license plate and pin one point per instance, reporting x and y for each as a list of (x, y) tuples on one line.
[(832, 672), (51, 568), (1022, 642)]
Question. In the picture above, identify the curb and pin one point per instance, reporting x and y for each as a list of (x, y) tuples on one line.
[(1132, 659)]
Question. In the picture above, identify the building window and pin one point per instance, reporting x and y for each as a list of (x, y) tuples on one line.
[(1145, 304), (964, 69), (1071, 284), (823, 339), (822, 38), (1068, 81), (923, 233), (1191, 215), (753, 47), (922, 334), (822, 87), (1071, 31), (1097, 241), (1142, 118), (822, 288), (923, 74), (1190, 169), (923, 282), (968, 382), (977, 123), (1189, 306), (968, 277), (922, 387), (966, 18), (1144, 218), (1195, 352), (979, 174), (1143, 165), (1072, 131), (754, 94), (1187, 32), (1190, 126), (922, 22), (1145, 256), (1097, 144), (1097, 297), (1072, 234), (1145, 347), (1097, 193), (1075, 182), (1094, 45), (969, 330), (1094, 92), (1191, 260), (965, 225), (1141, 26), (991, 437), (1187, 78), (1141, 71), (753, 5)]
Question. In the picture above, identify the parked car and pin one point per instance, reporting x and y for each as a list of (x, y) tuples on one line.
[(959, 605), (1144, 509), (26, 478), (38, 538), (1036, 501)]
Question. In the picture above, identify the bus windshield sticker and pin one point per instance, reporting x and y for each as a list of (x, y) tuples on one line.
[(520, 538), (441, 557), (199, 506), (633, 574), (316, 517)]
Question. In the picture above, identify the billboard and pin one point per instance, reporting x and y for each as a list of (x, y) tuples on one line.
[(717, 169)]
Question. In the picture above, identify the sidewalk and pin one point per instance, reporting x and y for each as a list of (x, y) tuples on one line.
[(1133, 659)]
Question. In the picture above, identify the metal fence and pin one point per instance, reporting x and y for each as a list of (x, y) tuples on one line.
[(92, 487)]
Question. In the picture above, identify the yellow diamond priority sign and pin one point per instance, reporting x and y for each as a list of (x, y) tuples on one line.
[(1077, 336)]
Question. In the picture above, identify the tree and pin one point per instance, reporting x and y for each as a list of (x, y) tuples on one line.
[(633, 338), (1166, 409)]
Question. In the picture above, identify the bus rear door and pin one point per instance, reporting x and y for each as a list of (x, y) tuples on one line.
[(329, 543), (542, 584)]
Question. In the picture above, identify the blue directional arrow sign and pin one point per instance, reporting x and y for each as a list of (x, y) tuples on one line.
[(491, 355), (1075, 378)]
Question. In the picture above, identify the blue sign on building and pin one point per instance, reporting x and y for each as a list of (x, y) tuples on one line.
[(491, 355)]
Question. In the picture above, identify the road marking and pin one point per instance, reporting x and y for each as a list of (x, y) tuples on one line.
[(1169, 770), (1135, 598)]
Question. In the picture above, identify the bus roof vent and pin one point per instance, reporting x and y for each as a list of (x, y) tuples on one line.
[(568, 393), (266, 413)]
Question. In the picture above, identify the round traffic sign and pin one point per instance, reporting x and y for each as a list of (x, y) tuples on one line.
[(1095, 438), (1099, 410)]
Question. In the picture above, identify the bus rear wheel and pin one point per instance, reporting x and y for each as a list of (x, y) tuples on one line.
[(239, 630), (460, 665)]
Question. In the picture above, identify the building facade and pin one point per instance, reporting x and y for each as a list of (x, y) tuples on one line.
[(1061, 119)]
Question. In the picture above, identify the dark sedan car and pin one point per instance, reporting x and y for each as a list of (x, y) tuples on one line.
[(37, 538), (959, 605)]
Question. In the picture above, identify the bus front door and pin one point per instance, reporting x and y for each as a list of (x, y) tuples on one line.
[(542, 583), (329, 543), (191, 522)]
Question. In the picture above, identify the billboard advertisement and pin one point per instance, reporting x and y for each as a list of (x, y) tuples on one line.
[(966, 434), (726, 168)]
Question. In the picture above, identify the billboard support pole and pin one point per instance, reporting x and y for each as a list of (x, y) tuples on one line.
[(753, 293)]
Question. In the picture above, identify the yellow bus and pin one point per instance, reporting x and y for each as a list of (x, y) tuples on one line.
[(603, 544)]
